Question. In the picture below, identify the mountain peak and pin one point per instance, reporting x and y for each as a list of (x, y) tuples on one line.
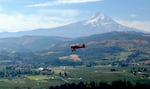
[(99, 17)]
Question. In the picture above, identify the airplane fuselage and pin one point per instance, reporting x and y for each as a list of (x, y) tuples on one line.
[(73, 48)]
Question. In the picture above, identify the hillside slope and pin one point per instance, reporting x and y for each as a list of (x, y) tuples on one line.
[(114, 46)]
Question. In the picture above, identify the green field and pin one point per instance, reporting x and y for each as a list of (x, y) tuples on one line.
[(74, 75), (39, 77)]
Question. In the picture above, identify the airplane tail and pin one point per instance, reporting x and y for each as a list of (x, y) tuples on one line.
[(83, 45)]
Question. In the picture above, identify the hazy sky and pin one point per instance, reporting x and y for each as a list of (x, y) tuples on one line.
[(19, 15)]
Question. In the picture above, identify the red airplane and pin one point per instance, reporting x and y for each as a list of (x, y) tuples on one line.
[(73, 48)]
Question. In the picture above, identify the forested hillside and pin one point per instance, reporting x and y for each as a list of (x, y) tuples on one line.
[(124, 46)]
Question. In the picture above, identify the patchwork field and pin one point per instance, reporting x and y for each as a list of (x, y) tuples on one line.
[(74, 75)]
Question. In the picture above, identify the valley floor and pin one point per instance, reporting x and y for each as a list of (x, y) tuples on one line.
[(76, 74)]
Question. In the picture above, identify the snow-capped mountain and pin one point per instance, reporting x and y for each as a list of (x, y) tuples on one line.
[(99, 19), (99, 23), (102, 23)]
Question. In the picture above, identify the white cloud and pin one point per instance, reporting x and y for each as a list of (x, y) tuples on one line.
[(61, 12), (133, 15), (18, 22), (76, 1), (142, 25), (58, 2), (43, 19), (144, 9), (4, 0)]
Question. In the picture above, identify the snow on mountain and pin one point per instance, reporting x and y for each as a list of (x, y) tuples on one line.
[(99, 19), (95, 19), (100, 23)]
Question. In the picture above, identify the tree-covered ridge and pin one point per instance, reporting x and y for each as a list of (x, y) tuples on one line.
[(102, 85), (115, 46)]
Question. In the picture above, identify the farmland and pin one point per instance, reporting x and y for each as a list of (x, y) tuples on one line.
[(75, 74)]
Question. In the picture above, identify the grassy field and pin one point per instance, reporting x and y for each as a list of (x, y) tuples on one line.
[(100, 74), (124, 55), (38, 77), (74, 75)]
